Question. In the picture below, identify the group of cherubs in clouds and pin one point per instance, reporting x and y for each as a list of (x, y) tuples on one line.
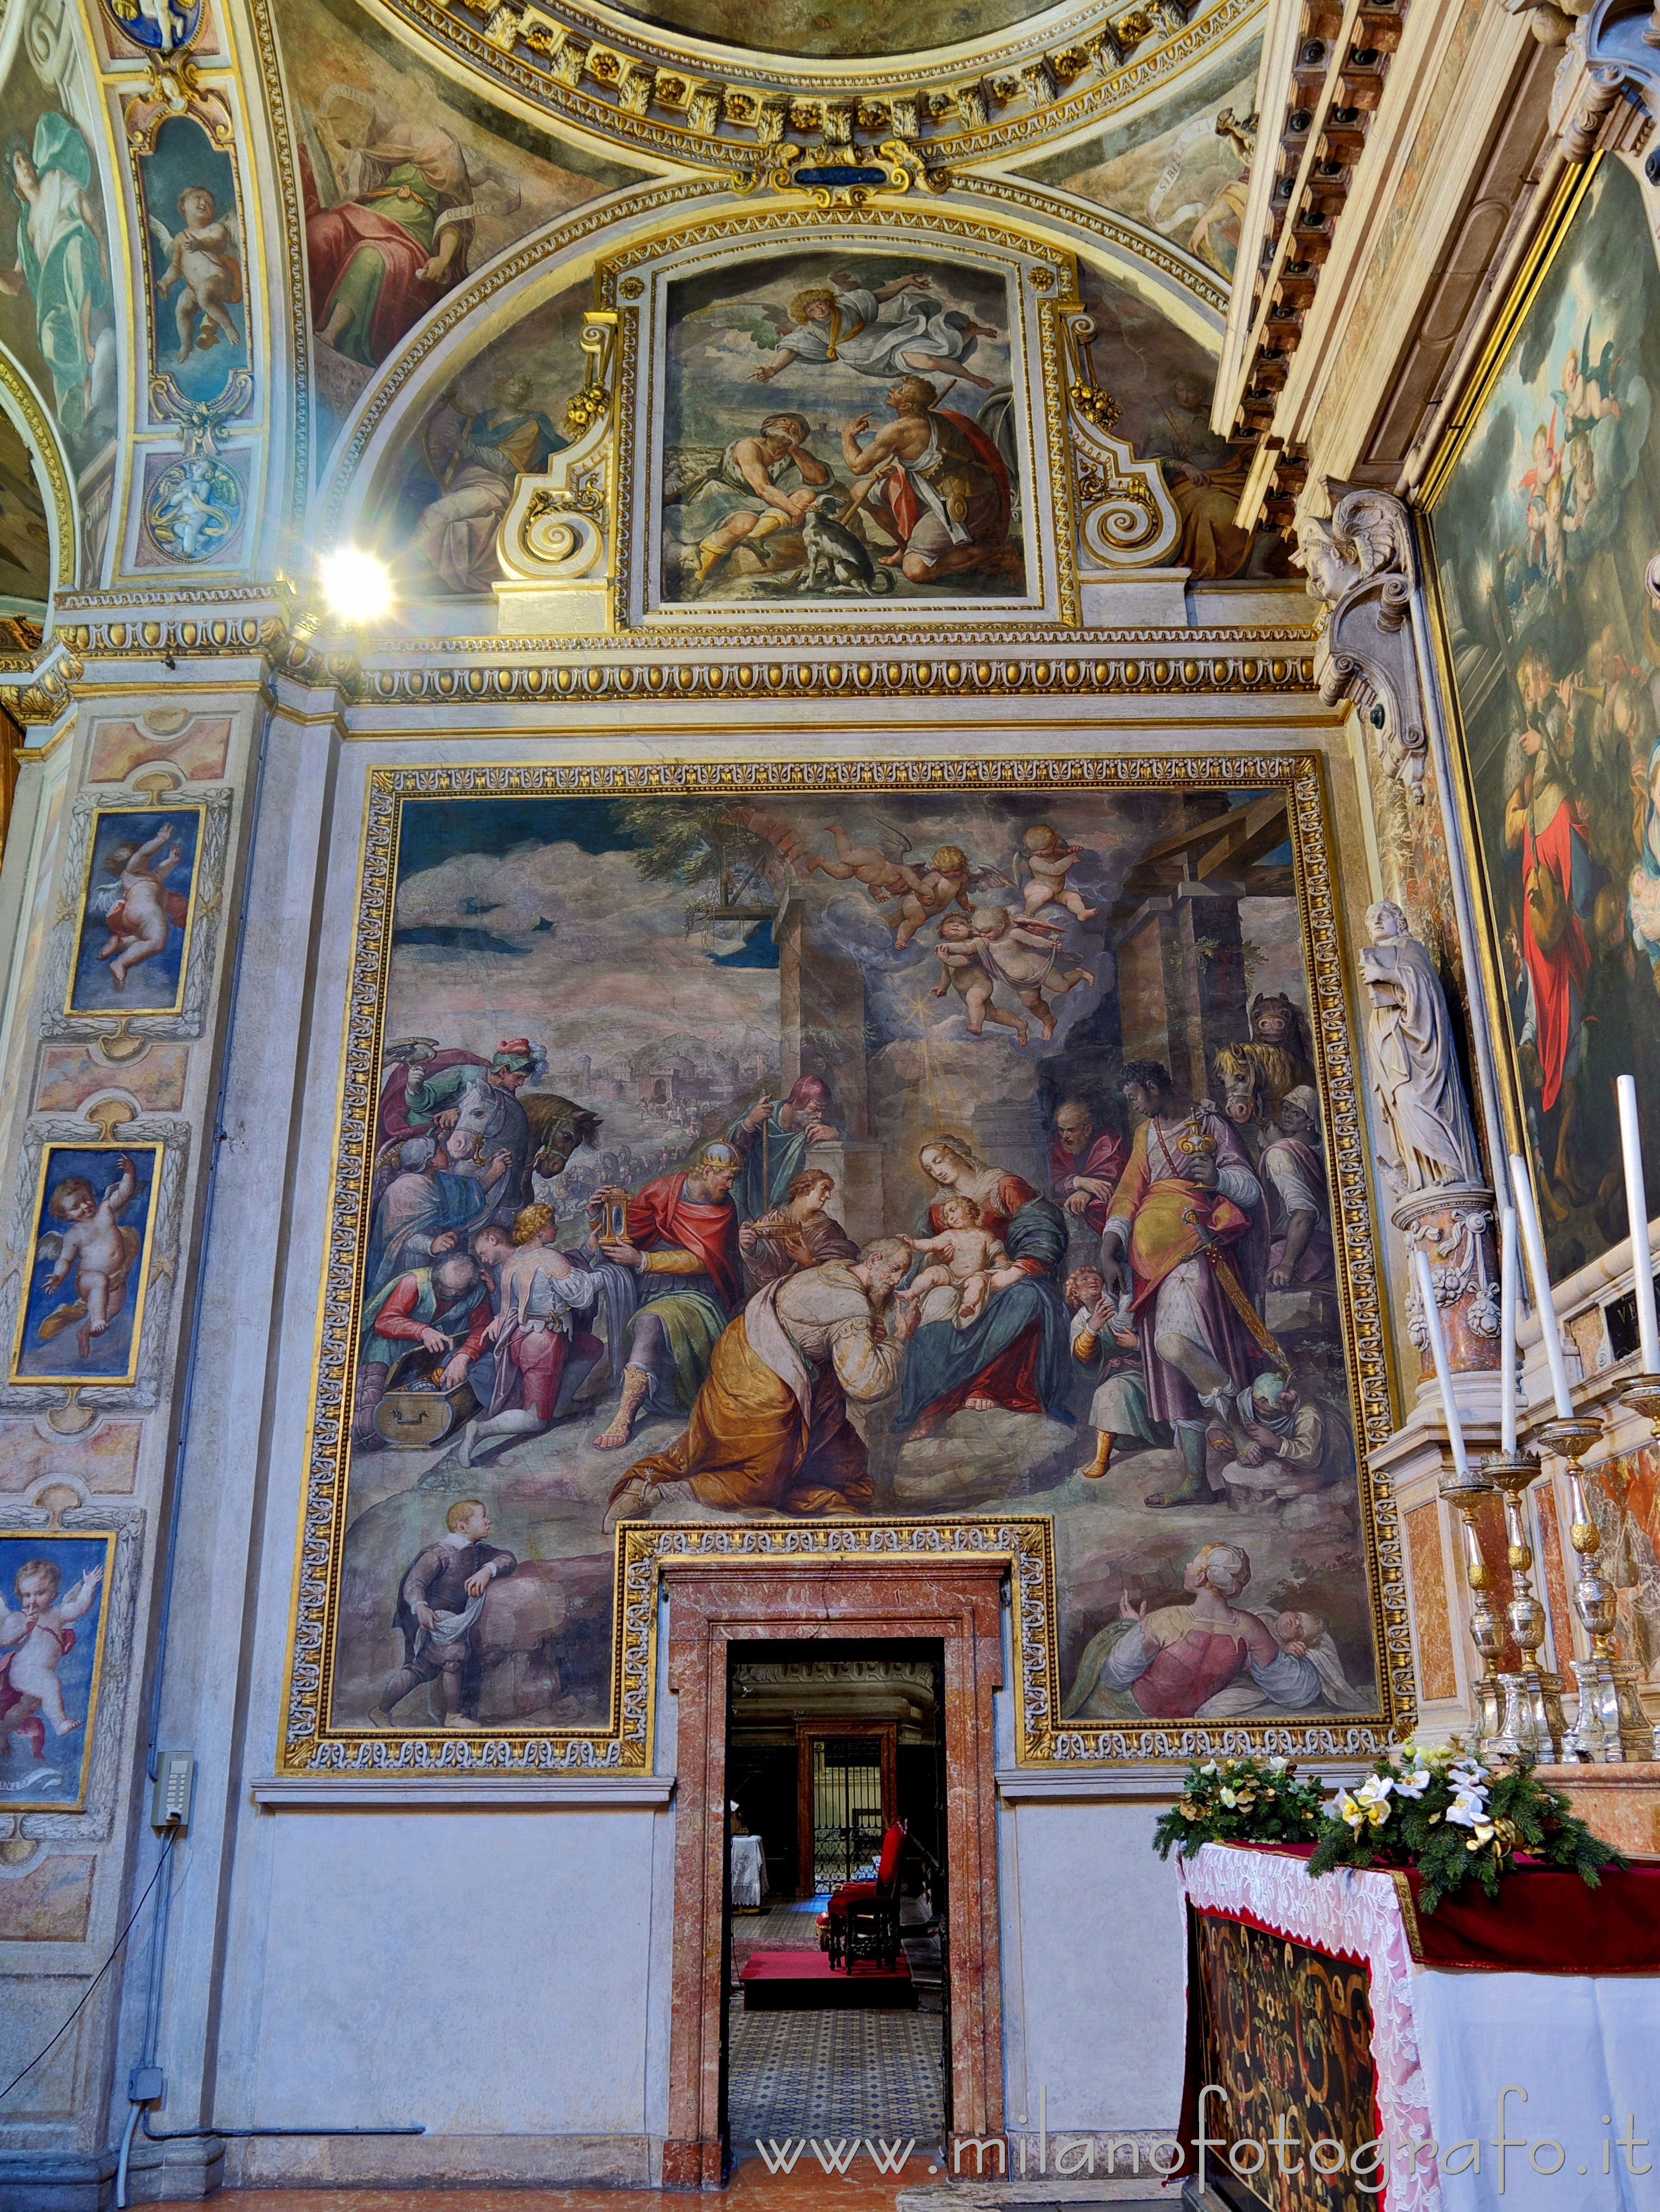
[(978, 945)]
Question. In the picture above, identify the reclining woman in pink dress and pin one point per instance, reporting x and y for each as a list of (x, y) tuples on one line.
[(1168, 1665)]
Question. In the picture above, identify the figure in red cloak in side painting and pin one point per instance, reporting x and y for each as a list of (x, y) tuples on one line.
[(1545, 826), (937, 485)]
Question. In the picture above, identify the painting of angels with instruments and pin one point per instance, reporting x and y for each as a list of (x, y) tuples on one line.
[(789, 1157), (841, 426)]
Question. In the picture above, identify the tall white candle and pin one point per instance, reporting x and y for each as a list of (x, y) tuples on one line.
[(1438, 1354), (1527, 1215), (1637, 1210), (1507, 1331)]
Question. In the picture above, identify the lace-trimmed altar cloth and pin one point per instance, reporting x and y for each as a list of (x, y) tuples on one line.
[(1446, 2043)]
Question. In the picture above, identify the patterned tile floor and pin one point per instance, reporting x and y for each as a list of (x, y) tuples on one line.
[(800, 2073), (781, 1927)]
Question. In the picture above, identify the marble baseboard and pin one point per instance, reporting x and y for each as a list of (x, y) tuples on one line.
[(57, 2180), (454, 2162)]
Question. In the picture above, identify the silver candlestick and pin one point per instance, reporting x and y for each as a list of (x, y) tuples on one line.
[(1465, 1492), (1532, 1726), (1610, 1725)]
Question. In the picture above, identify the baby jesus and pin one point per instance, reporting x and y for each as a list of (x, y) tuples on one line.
[(33, 1642), (974, 1264), (97, 1248)]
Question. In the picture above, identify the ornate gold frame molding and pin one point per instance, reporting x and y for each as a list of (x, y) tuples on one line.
[(311, 1743), (702, 104)]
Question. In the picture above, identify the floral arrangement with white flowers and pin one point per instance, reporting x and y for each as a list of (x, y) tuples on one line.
[(1456, 1820), (1241, 1800)]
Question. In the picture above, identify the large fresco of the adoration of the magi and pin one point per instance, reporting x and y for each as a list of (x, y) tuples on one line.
[(1544, 533), (841, 427), (797, 1156)]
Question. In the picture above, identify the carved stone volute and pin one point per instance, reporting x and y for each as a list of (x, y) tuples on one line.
[(1363, 570)]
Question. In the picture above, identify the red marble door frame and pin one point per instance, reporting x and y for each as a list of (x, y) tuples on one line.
[(712, 1605)]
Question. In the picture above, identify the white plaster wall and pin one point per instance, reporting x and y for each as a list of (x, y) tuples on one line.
[(479, 1973), (1093, 1969)]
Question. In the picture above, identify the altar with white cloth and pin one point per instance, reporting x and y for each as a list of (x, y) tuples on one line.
[(1333, 2025), (749, 1872)]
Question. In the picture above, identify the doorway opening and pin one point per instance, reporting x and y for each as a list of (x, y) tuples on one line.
[(837, 2028)]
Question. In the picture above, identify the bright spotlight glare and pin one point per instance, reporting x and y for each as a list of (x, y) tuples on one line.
[(358, 586)]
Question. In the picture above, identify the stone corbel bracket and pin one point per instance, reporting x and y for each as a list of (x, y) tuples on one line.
[(1363, 570), (1127, 519), (1606, 92), (557, 548)]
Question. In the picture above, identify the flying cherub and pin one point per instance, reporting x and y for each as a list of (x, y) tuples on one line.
[(883, 876), (205, 258), (1026, 954), (95, 1246), (135, 906), (1587, 393), (1538, 483), (1045, 859), (958, 954), (929, 892)]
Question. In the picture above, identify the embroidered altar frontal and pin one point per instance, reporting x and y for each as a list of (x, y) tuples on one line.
[(835, 1158), (1284, 2032)]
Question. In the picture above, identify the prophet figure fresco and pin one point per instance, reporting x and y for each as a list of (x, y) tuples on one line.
[(59, 277), (439, 516), (405, 188), (885, 462), (1182, 169), (693, 1196), (1545, 531)]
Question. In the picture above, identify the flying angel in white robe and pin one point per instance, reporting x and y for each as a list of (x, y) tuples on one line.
[(895, 330)]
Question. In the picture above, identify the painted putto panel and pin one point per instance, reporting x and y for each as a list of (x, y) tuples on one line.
[(751, 1161), (135, 913), (80, 1316), (1545, 531), (880, 455), (197, 308), (53, 1603)]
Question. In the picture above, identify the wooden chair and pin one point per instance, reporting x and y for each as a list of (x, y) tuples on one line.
[(864, 1916)]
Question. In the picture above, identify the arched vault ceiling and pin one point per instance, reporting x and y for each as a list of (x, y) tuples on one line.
[(842, 30), (725, 84)]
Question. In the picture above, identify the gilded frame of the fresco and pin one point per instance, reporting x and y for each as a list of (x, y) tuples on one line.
[(1553, 235), (311, 1743)]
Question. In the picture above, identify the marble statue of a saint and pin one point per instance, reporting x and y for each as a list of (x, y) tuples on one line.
[(1427, 1120)]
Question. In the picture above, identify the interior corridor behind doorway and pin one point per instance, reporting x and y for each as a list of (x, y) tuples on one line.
[(828, 1744)]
